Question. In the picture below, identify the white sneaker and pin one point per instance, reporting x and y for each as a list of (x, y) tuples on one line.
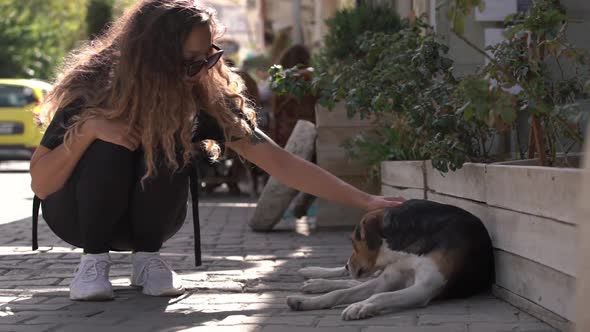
[(155, 276), (91, 279)]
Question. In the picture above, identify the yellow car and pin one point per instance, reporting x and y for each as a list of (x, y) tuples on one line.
[(19, 101)]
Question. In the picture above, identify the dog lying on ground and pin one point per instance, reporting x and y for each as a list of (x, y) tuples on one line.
[(415, 253)]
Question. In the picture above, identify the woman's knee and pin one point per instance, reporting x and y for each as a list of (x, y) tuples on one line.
[(106, 154), (106, 157), (106, 166)]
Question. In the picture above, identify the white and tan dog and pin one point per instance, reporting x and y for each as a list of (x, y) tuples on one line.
[(415, 253)]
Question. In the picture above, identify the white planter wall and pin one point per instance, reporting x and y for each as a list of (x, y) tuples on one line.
[(534, 190), (403, 178), (467, 182), (530, 213)]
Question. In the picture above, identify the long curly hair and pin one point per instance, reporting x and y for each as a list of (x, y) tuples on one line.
[(134, 72)]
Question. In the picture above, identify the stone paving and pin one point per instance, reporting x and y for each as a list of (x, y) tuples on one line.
[(242, 285)]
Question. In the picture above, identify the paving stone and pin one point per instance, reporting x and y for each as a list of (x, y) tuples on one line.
[(258, 257), (227, 286), (24, 328), (118, 328), (11, 319), (442, 309), (205, 308), (40, 291), (261, 320), (58, 300), (438, 328), (234, 298), (322, 313), (25, 307), (25, 282), (57, 319), (72, 313), (234, 328), (303, 329), (234, 264), (429, 319), (25, 300), (265, 306), (514, 327), (6, 299), (384, 320), (15, 277), (274, 286), (276, 295)]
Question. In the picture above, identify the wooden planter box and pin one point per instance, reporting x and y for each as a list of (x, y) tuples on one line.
[(467, 182), (530, 213), (403, 178), (464, 188), (333, 128)]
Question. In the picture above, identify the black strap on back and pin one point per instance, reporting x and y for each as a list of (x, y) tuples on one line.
[(194, 190), (36, 205)]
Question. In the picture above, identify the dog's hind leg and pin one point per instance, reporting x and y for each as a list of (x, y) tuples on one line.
[(390, 279), (323, 272), (316, 286), (425, 288)]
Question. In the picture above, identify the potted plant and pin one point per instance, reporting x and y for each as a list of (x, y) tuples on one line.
[(408, 84)]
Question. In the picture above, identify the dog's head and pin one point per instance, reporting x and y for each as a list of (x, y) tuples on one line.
[(367, 239)]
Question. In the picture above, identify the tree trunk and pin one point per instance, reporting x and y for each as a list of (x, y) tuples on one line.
[(539, 146)]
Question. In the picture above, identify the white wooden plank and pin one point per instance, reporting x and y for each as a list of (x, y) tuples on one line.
[(539, 239), (544, 191), (467, 182), (403, 174), (540, 284)]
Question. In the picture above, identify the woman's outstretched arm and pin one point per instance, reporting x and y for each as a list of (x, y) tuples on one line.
[(305, 176)]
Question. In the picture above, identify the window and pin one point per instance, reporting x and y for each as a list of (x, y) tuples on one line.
[(16, 96)]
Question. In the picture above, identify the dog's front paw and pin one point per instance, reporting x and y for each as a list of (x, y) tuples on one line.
[(358, 310), (309, 272), (296, 303), (315, 286)]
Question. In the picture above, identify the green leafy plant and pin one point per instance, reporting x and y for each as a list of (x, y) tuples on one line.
[(100, 14), (526, 73), (406, 82), (394, 139), (458, 11), (349, 24), (35, 35), (290, 80)]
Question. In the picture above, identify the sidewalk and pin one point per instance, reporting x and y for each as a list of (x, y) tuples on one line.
[(241, 286)]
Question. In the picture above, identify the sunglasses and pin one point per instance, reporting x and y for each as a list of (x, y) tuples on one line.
[(193, 68)]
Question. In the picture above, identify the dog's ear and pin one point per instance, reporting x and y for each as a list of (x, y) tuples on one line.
[(372, 229)]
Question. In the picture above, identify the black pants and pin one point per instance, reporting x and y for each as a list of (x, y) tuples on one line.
[(103, 205)]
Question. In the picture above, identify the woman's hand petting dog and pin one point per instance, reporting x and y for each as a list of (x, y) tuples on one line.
[(382, 202)]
